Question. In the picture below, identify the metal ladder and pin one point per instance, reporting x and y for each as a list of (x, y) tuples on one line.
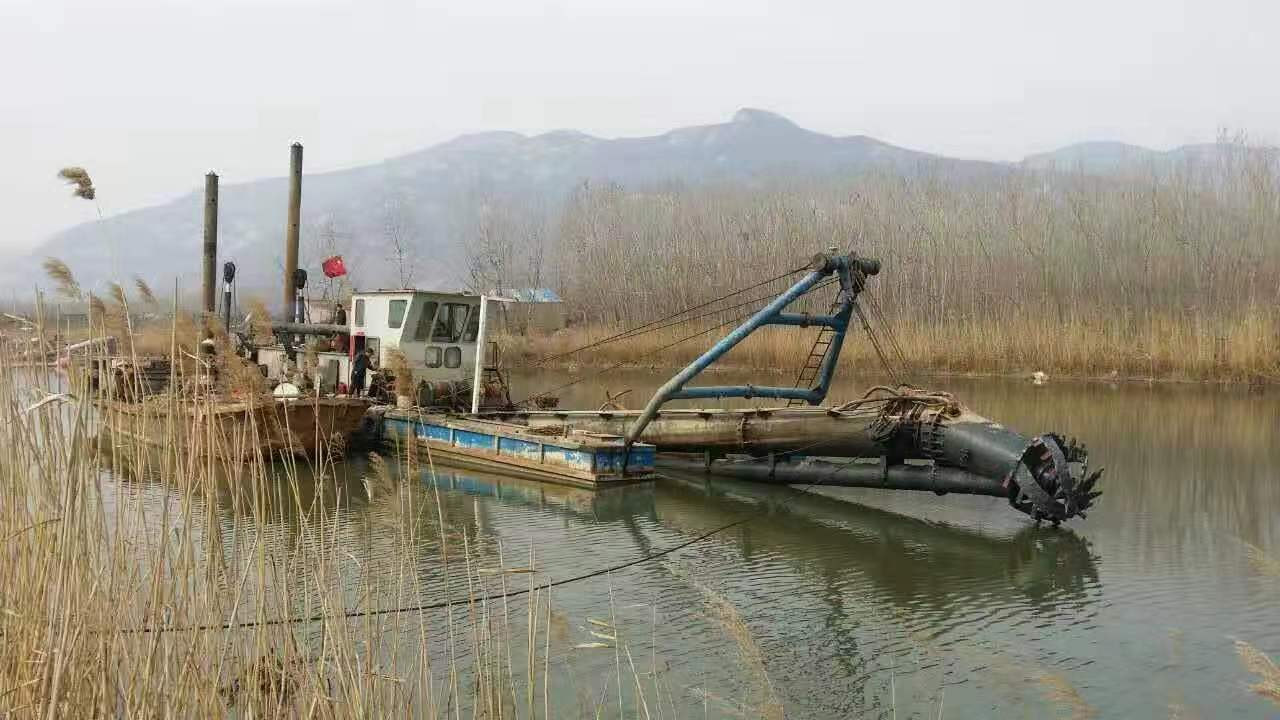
[(492, 373), (809, 373)]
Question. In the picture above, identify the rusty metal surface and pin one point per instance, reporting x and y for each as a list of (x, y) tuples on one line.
[(1044, 477)]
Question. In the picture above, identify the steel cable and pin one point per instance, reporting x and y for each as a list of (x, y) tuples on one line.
[(890, 335), (648, 327), (378, 612), (875, 342), (629, 361)]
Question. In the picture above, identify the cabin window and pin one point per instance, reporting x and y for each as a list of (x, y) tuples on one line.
[(423, 330), (395, 313), (473, 325), (359, 313), (433, 357), (452, 357), (451, 321)]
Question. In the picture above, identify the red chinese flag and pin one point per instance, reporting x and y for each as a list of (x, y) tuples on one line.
[(334, 267)]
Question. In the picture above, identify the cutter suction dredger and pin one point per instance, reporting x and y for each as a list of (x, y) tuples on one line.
[(894, 438), (898, 437)]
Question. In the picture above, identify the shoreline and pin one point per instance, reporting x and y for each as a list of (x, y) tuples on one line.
[(1253, 384), (1244, 352)]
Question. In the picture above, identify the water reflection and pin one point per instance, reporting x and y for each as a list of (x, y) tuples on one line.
[(1172, 451), (870, 605), (906, 557)]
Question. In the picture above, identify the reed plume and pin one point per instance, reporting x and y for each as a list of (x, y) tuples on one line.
[(259, 321), (62, 276), (1257, 662), (117, 294), (79, 177), (97, 308), (144, 291), (399, 366)]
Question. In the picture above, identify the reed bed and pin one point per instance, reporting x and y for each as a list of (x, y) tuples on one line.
[(1171, 274), (1239, 349), (143, 582)]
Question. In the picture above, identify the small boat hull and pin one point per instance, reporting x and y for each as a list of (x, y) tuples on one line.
[(576, 458), (295, 426)]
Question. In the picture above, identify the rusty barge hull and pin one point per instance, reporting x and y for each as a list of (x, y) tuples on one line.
[(239, 428)]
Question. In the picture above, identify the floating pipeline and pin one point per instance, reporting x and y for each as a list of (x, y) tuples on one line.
[(919, 440)]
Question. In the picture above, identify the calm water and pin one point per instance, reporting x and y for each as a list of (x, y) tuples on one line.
[(871, 604)]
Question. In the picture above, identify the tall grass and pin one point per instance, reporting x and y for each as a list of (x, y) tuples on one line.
[(1171, 274), (1245, 348), (111, 550)]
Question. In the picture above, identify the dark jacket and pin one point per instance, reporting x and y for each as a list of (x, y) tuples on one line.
[(360, 365)]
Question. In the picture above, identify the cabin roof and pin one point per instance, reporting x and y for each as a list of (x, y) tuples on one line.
[(532, 295), (411, 291)]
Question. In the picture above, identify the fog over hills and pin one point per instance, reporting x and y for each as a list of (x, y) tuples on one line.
[(428, 199), (1105, 158)]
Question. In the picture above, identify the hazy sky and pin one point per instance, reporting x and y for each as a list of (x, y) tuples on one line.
[(150, 94)]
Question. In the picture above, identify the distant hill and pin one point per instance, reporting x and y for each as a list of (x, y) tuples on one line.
[(1117, 158), (428, 197), (1093, 157)]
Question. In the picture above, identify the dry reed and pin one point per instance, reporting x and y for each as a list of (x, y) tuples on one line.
[(1059, 691), (79, 178), (259, 321), (1257, 662), (398, 364), (117, 294), (1262, 563), (1157, 347), (144, 292), (63, 278), (766, 704), (98, 565), (1176, 276)]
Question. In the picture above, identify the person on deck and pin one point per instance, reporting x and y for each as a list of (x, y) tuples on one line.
[(340, 318), (359, 368)]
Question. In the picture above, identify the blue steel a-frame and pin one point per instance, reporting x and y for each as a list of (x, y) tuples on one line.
[(851, 271)]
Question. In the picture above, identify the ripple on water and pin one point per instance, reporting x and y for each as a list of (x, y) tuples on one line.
[(872, 604)]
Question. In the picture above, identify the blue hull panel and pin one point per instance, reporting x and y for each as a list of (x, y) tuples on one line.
[(581, 459)]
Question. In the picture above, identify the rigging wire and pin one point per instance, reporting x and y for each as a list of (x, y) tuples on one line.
[(379, 612), (647, 327), (709, 313), (632, 360), (889, 333), (875, 342)]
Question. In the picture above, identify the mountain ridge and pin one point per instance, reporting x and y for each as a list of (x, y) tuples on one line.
[(427, 195)]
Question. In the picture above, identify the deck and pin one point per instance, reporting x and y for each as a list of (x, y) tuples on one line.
[(555, 455)]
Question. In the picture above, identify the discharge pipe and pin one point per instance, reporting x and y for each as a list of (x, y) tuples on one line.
[(919, 440)]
